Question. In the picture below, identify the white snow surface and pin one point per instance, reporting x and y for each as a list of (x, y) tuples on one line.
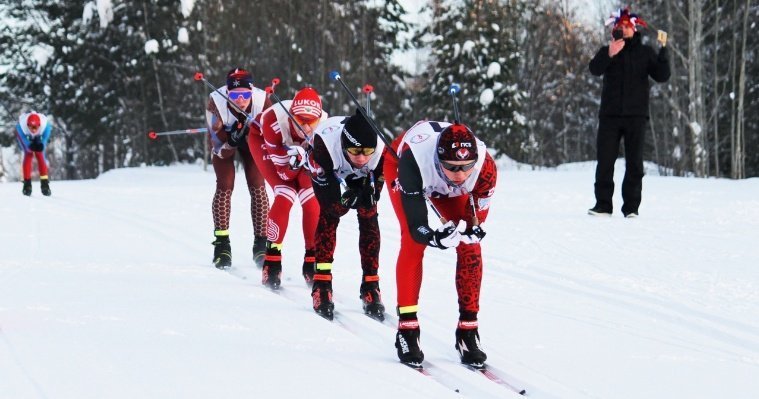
[(106, 290)]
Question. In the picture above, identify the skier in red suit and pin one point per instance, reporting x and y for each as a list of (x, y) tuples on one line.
[(280, 151), (447, 165)]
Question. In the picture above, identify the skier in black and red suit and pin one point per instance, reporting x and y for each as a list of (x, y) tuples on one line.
[(447, 165), (346, 152)]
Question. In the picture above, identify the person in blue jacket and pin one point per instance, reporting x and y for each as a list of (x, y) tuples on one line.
[(32, 133)]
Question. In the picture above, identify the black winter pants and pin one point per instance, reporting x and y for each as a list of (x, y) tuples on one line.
[(610, 131)]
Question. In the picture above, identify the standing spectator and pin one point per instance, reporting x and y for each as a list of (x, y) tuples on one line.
[(346, 152), (32, 133), (279, 143), (625, 65), (447, 165), (228, 128)]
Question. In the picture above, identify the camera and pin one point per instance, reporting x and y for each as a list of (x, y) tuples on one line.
[(616, 34)]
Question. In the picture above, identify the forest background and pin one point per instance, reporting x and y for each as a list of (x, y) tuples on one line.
[(109, 71)]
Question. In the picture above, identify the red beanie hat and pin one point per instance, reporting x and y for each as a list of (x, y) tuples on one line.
[(306, 104), (457, 143), (33, 120)]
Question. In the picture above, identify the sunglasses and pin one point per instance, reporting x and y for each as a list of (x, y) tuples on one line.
[(360, 150), (33, 126), (245, 95), (457, 168)]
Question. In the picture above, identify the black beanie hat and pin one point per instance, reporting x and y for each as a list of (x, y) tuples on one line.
[(358, 132)]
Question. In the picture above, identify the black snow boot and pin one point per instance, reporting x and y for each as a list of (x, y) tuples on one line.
[(321, 293), (271, 275), (468, 345), (259, 251), (27, 189), (222, 253), (309, 267), (45, 187), (407, 343), (372, 298)]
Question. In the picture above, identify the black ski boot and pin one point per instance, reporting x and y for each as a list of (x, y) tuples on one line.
[(271, 275), (407, 343), (309, 267), (222, 253), (321, 293), (27, 189), (372, 298), (468, 345), (45, 187), (259, 251)]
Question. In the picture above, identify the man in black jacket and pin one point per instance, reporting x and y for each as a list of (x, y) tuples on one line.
[(625, 64)]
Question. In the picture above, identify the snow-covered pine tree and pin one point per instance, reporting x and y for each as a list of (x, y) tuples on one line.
[(473, 46)]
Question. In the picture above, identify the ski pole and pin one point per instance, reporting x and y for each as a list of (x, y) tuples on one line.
[(368, 89), (200, 78), (335, 75), (154, 135), (270, 91), (453, 91), (475, 220), (434, 209)]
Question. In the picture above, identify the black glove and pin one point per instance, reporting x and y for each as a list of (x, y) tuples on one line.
[(369, 196), (35, 144), (350, 197), (473, 235), (238, 133)]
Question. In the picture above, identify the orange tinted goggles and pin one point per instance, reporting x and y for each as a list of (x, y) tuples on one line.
[(360, 150)]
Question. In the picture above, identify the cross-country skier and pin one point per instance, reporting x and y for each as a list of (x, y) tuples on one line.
[(447, 165), (280, 152), (32, 133), (346, 152), (228, 128)]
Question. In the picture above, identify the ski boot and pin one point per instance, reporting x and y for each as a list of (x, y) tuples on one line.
[(321, 293), (45, 187), (309, 267), (259, 251), (271, 275), (468, 345), (27, 189), (222, 253), (372, 298), (407, 343)]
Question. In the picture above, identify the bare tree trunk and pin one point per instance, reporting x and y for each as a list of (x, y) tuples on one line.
[(695, 87), (715, 111), (740, 161)]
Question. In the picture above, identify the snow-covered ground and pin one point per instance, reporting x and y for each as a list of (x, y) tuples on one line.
[(106, 290)]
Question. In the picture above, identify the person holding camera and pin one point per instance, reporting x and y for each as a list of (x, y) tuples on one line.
[(32, 133), (625, 64), (228, 129), (346, 152)]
